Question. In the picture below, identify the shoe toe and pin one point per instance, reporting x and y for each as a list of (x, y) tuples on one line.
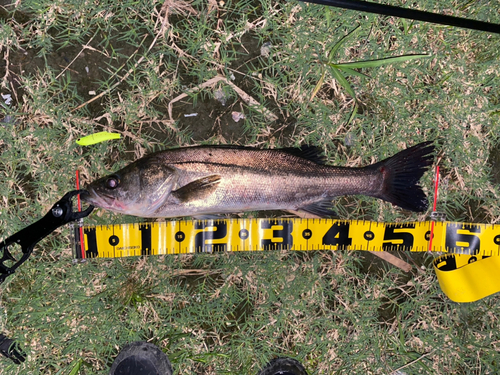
[(141, 358)]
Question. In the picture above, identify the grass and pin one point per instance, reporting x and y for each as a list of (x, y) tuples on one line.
[(230, 314)]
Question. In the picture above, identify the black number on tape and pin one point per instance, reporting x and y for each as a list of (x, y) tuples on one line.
[(243, 234), (446, 263), (282, 238), (114, 240), (449, 262), (91, 251), (145, 239), (404, 239), (307, 234), (180, 236), (496, 240), (369, 235), (338, 235), (219, 233), (463, 243)]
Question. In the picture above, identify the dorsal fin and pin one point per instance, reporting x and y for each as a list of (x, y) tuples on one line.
[(311, 153)]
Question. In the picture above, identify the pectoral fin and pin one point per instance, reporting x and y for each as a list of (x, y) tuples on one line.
[(197, 189)]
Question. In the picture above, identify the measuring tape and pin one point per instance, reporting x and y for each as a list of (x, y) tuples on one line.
[(467, 272)]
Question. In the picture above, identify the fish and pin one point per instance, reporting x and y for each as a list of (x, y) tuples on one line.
[(200, 181)]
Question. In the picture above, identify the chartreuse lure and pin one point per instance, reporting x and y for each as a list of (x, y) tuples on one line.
[(92, 139)]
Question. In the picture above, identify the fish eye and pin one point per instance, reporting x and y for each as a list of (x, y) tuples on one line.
[(112, 182)]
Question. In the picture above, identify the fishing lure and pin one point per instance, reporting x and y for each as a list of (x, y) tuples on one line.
[(92, 139)]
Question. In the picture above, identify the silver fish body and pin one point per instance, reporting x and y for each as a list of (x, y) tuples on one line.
[(206, 180)]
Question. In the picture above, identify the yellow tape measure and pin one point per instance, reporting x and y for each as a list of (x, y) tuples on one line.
[(472, 249)]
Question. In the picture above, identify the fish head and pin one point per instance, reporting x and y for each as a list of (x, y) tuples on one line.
[(139, 189)]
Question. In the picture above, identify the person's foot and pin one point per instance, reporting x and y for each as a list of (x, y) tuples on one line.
[(283, 366), (141, 358)]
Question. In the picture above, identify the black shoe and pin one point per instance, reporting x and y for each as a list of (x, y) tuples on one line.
[(283, 366), (141, 358)]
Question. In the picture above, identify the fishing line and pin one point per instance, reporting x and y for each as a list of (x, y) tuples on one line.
[(412, 14)]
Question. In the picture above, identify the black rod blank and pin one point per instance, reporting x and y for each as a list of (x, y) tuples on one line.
[(412, 14)]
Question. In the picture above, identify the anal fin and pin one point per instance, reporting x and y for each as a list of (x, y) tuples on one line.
[(323, 208)]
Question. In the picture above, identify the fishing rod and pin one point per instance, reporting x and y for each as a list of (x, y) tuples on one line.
[(412, 14)]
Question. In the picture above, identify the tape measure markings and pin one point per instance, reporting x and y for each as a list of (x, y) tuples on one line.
[(472, 251), (182, 237)]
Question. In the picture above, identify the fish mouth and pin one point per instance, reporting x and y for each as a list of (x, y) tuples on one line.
[(84, 195), (101, 200)]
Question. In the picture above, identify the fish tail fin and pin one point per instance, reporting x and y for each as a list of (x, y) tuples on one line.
[(401, 175)]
